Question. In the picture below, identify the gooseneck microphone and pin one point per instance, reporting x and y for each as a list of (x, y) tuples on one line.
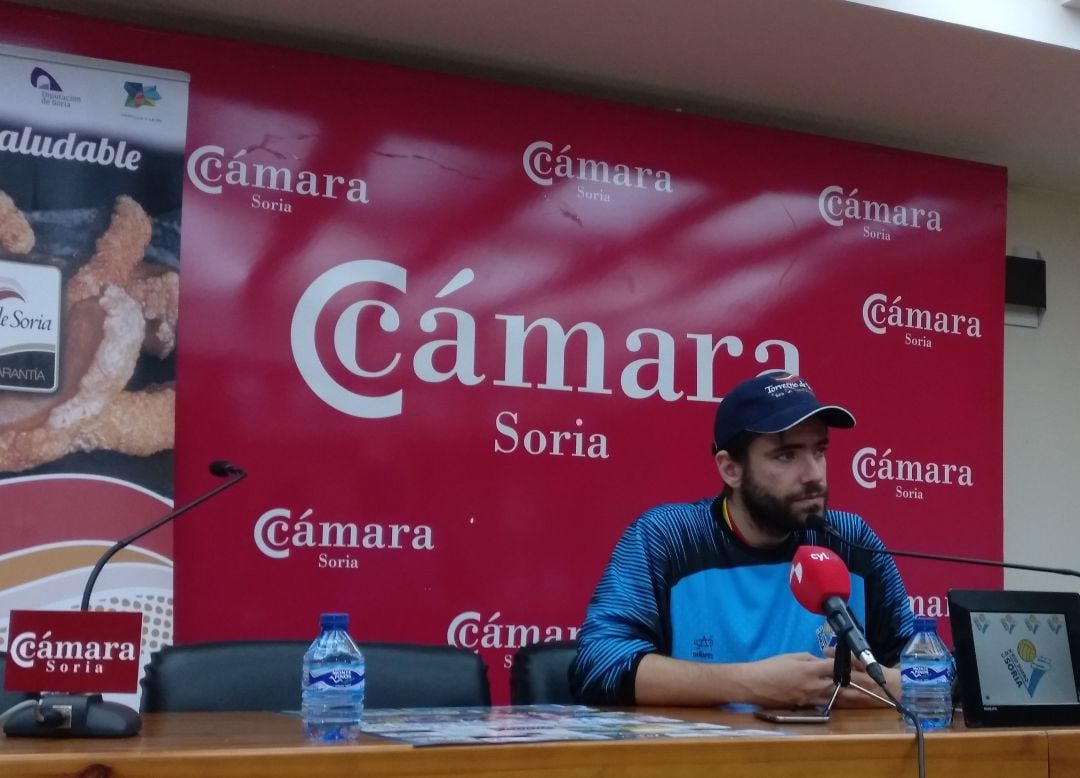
[(820, 524), (821, 583), (219, 468), (88, 715)]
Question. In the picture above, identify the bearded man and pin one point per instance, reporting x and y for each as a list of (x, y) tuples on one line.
[(695, 608)]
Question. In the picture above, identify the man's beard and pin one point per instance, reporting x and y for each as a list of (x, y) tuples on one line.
[(775, 515)]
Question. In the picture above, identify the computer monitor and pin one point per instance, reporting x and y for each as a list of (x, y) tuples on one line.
[(1017, 656)]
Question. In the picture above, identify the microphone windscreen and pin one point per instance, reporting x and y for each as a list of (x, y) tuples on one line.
[(814, 521), (223, 468), (817, 574)]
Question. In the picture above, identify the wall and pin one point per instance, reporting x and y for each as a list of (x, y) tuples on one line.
[(1042, 377)]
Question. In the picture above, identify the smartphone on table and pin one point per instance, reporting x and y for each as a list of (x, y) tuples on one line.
[(793, 716)]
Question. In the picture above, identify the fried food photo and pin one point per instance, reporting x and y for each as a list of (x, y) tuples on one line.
[(117, 307)]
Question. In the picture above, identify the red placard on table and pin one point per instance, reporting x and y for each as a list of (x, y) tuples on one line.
[(73, 651)]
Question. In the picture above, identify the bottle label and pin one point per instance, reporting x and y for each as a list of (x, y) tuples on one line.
[(926, 673), (336, 678)]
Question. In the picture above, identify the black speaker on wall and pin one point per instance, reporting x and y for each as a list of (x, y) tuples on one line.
[(1025, 282)]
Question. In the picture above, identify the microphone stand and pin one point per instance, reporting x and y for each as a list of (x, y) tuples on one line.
[(88, 715), (842, 679)]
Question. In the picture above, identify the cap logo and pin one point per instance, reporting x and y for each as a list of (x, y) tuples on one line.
[(786, 386)]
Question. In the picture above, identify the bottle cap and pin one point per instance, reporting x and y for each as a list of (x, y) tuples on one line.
[(925, 624), (334, 621)]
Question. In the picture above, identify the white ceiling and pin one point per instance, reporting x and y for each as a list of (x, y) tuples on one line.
[(832, 67)]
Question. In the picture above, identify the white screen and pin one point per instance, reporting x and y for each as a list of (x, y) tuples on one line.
[(1023, 658)]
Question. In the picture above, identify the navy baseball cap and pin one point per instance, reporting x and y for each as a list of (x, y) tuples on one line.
[(772, 402)]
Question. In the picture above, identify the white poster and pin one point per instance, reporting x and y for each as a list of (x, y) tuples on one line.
[(91, 165)]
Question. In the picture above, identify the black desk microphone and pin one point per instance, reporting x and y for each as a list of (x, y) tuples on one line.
[(88, 715)]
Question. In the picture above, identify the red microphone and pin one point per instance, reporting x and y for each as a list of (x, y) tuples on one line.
[(817, 574), (821, 583)]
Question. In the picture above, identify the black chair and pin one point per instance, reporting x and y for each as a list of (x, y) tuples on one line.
[(265, 675), (540, 673), (7, 699)]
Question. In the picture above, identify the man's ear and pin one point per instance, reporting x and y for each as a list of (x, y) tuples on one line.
[(730, 471)]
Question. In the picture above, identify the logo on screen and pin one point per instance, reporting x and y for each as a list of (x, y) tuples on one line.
[(1026, 666), (543, 165), (837, 207), (908, 476)]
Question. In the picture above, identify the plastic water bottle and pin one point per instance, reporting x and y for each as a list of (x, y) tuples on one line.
[(332, 688), (927, 672)]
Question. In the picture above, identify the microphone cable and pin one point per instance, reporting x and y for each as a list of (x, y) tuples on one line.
[(920, 741), (822, 525)]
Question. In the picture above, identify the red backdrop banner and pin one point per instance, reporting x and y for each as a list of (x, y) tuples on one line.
[(462, 333)]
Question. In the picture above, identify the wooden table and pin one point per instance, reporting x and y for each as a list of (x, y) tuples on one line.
[(1064, 752), (858, 743)]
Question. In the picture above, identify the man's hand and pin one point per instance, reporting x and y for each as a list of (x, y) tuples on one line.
[(784, 681), (790, 680)]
